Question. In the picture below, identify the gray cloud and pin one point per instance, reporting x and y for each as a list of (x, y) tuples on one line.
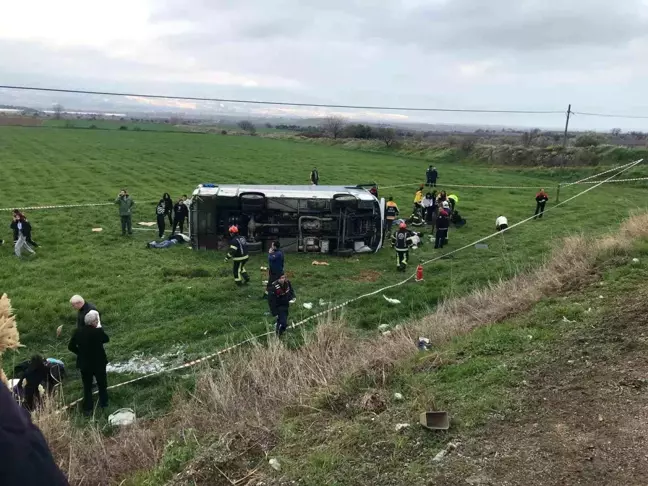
[(453, 53)]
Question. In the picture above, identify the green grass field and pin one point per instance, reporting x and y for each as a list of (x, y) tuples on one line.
[(155, 301)]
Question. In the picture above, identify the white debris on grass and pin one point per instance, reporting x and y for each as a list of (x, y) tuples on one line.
[(564, 319), (274, 464), (400, 427), (635, 260), (308, 305), (383, 327), (449, 448), (144, 365), (398, 396), (391, 301)]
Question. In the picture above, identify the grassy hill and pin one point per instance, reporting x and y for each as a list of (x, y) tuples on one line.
[(178, 304)]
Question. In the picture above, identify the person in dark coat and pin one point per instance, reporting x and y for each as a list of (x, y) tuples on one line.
[(25, 458), (279, 299), (275, 264), (442, 225), (83, 307), (160, 213), (22, 234), (314, 176), (180, 213), (88, 345), (541, 200), (168, 207)]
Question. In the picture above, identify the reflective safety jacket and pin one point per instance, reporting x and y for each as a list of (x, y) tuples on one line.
[(391, 210), (238, 249), (402, 240)]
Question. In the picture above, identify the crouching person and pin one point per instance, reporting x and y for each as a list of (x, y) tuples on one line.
[(281, 295), (88, 344)]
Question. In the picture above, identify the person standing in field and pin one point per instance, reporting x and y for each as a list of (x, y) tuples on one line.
[(180, 213), (541, 199), (275, 264), (442, 225), (391, 213), (402, 242), (418, 198), (238, 251), (160, 213), (314, 176), (88, 345), (126, 205), (83, 307), (168, 207), (281, 295), (27, 231), (22, 233), (431, 175)]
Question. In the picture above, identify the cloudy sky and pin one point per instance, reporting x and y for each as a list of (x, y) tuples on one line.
[(495, 54)]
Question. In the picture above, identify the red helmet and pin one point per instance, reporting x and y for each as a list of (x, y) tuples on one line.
[(402, 226), (233, 229)]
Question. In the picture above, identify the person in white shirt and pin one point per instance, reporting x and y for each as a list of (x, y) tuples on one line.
[(501, 223)]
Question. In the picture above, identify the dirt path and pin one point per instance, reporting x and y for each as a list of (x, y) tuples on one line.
[(584, 419)]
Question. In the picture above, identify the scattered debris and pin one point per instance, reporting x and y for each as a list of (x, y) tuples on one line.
[(398, 396), (635, 260), (383, 327), (391, 301), (530, 337), (601, 297), (263, 269), (123, 416), (315, 262), (59, 330), (564, 319), (97, 230), (600, 418), (444, 452), (589, 310), (151, 364), (570, 361), (424, 343), (308, 305), (400, 427), (435, 420), (274, 464), (481, 246), (386, 333), (322, 303), (146, 223)]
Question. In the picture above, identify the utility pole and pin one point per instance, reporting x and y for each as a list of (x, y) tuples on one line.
[(569, 112)]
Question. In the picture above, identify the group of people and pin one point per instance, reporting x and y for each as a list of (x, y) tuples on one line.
[(176, 213)]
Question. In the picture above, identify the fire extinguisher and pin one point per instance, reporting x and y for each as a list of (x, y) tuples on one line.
[(419, 273)]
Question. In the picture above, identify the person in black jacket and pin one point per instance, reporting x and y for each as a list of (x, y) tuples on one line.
[(402, 242), (314, 176), (22, 233), (281, 294), (83, 307), (238, 251), (160, 213), (180, 213), (541, 200), (25, 458), (442, 225), (168, 207), (87, 343)]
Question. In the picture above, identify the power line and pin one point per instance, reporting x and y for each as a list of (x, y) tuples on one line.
[(609, 115), (281, 103)]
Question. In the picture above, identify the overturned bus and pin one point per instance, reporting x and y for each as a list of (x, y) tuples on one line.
[(320, 219)]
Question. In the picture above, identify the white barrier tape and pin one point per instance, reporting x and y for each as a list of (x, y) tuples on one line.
[(601, 173), (344, 304), (66, 206), (441, 186), (618, 180)]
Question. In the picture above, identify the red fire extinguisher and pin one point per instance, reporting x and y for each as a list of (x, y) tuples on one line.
[(419, 273)]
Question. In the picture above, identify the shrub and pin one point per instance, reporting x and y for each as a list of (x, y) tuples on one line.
[(137, 129), (93, 127), (589, 139), (223, 132), (123, 127)]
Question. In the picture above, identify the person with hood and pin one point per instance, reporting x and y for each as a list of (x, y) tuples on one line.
[(88, 345), (172, 240), (160, 212), (26, 458), (402, 241), (391, 213), (442, 225), (541, 199), (314, 176), (180, 213), (126, 205), (281, 294), (238, 251), (22, 233), (168, 207)]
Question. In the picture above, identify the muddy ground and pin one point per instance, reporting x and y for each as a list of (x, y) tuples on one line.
[(584, 418)]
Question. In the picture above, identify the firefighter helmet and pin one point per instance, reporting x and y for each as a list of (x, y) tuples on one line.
[(402, 226), (233, 229)]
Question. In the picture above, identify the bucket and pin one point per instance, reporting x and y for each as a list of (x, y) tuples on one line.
[(435, 420)]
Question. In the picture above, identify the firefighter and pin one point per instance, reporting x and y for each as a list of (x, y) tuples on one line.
[(281, 295), (391, 213), (442, 225), (238, 252), (402, 242), (418, 197)]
